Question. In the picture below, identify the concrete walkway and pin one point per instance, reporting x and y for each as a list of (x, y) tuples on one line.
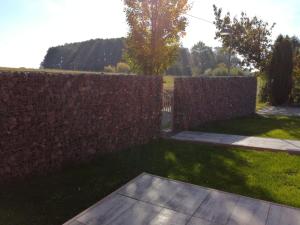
[(240, 141), (152, 200), (281, 111)]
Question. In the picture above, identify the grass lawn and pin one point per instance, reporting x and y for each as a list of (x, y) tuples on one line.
[(273, 126), (53, 199)]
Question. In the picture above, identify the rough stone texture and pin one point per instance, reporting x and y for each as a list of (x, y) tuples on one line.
[(48, 121), (206, 99)]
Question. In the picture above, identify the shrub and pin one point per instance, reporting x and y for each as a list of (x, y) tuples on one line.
[(221, 70), (263, 91), (208, 72), (123, 68), (235, 71), (109, 69), (296, 89)]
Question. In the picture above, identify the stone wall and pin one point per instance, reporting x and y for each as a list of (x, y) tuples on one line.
[(48, 120), (206, 99)]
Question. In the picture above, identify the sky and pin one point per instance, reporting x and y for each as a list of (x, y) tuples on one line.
[(29, 27)]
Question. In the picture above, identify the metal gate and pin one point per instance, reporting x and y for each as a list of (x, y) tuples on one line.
[(167, 109)]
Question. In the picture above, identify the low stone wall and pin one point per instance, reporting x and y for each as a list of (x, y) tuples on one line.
[(206, 99), (48, 121)]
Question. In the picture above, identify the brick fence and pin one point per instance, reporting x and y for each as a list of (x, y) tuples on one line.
[(206, 99), (48, 121)]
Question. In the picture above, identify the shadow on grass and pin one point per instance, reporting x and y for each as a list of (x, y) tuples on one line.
[(56, 198), (271, 126)]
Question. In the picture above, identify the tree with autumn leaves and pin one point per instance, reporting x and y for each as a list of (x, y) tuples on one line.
[(155, 29)]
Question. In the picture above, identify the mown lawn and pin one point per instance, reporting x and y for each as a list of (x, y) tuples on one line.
[(272, 126), (55, 198)]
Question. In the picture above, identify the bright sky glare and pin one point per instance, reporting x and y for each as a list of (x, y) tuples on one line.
[(29, 27)]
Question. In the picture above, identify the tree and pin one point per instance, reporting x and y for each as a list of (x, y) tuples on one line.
[(296, 72), (222, 56), (206, 60), (296, 52), (203, 58), (280, 71), (155, 29), (182, 65), (249, 37), (297, 62), (92, 55)]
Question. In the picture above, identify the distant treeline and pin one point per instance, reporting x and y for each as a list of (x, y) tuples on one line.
[(96, 54), (92, 55)]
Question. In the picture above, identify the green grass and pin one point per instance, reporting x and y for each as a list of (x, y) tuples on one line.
[(168, 82), (261, 105), (53, 199), (273, 126)]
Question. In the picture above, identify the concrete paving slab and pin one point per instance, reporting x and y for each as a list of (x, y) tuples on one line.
[(279, 215), (151, 189), (198, 221), (140, 213), (217, 207), (279, 111), (249, 212), (169, 217), (213, 207), (187, 199), (240, 141), (112, 208)]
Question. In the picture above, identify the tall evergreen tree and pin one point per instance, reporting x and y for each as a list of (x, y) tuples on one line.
[(280, 71), (296, 73)]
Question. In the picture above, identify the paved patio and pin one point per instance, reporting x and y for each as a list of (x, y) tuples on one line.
[(150, 200), (271, 144), (283, 111)]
